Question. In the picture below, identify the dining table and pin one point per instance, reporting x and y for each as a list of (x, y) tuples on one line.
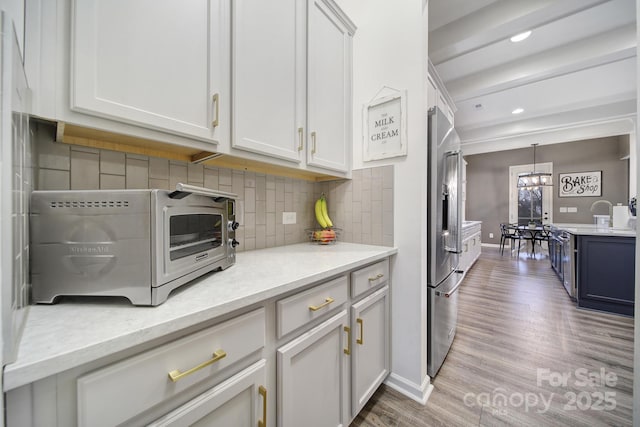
[(531, 234)]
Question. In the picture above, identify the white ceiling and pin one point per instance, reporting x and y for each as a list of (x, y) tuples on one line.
[(575, 76)]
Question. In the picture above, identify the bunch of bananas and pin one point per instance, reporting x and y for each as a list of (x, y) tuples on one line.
[(321, 213)]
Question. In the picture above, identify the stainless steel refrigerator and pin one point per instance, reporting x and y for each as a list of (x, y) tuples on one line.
[(444, 240)]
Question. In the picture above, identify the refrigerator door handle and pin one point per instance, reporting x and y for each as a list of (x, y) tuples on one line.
[(452, 203)]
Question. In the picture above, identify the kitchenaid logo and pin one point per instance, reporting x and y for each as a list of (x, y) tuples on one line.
[(89, 249)]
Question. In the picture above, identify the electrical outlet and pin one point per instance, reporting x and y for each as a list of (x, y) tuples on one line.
[(288, 217), (572, 210), (491, 235), (563, 209)]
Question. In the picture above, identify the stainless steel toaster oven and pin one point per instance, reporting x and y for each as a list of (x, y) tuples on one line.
[(140, 244)]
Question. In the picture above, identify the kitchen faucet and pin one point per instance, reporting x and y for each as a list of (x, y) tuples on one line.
[(597, 202)]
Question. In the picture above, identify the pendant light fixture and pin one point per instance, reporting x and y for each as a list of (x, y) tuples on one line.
[(531, 180)]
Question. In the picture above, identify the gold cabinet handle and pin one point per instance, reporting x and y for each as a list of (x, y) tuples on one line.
[(360, 322), (347, 350), (216, 103), (217, 355), (300, 138), (326, 302), (313, 143), (263, 392), (379, 276)]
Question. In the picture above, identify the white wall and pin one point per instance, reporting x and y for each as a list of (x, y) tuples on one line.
[(389, 49)]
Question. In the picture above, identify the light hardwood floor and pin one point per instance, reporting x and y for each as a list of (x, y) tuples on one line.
[(521, 356)]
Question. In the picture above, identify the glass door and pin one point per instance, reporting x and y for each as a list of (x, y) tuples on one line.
[(527, 205)]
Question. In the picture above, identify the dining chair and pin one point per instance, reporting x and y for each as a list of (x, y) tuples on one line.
[(542, 236), (511, 233)]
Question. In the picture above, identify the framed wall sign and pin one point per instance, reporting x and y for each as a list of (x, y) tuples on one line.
[(385, 127), (580, 184)]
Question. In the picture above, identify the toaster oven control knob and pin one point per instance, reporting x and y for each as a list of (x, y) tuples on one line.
[(233, 226), (233, 243)]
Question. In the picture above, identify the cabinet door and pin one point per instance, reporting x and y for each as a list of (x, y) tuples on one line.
[(313, 376), (370, 362), (268, 77), (432, 92), (329, 89), (157, 63), (240, 402)]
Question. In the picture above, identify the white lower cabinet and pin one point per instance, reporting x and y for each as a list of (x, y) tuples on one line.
[(313, 377), (241, 401), (122, 391), (471, 246), (370, 355), (310, 358)]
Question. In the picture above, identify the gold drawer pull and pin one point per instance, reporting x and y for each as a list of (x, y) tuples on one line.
[(347, 350), (216, 102), (379, 276), (217, 355), (263, 392), (361, 323), (326, 302)]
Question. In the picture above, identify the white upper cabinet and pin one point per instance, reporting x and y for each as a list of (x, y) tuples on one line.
[(155, 63), (268, 77), (329, 86), (437, 94), (292, 88)]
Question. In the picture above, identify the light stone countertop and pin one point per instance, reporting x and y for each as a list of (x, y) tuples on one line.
[(69, 334), (592, 230)]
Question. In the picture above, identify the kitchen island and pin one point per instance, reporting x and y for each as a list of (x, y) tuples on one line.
[(603, 265), (252, 305)]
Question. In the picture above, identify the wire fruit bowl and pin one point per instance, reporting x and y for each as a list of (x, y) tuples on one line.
[(323, 236)]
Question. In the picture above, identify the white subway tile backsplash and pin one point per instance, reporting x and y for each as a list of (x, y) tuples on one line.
[(162, 184), (52, 179), (271, 200), (112, 182), (237, 182), (137, 172), (249, 224), (158, 168), (85, 172), (112, 163), (261, 212), (195, 174), (211, 179), (177, 173), (225, 177), (250, 199)]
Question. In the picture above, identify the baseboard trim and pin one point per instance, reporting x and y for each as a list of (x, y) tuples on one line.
[(419, 393), (490, 245)]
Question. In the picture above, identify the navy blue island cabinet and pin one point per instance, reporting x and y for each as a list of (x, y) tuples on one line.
[(606, 273)]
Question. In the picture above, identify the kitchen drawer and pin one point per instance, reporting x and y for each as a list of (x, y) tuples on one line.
[(296, 310), (114, 394), (369, 277)]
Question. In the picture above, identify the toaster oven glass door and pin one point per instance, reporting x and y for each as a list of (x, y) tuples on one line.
[(194, 237), (192, 234)]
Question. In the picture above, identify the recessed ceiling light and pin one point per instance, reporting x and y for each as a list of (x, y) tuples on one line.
[(518, 111), (519, 37)]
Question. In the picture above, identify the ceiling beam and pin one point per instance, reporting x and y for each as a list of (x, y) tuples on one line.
[(601, 49), (498, 21)]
